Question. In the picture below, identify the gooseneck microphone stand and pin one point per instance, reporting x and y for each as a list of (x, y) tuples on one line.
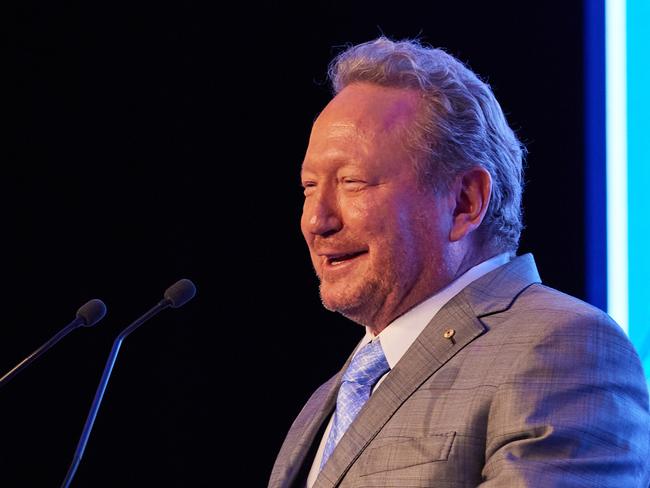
[(176, 295)]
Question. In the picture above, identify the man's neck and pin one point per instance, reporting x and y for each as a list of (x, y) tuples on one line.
[(386, 314)]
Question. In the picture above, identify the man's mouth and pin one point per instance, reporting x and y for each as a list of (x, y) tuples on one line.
[(338, 259)]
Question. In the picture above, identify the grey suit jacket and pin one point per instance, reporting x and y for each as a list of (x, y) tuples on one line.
[(538, 389)]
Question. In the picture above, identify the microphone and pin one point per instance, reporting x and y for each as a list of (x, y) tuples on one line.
[(175, 296), (88, 315)]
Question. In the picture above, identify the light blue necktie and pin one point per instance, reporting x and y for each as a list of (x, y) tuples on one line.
[(365, 369)]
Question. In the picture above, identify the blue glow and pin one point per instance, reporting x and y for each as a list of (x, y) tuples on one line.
[(616, 168), (595, 135), (638, 163), (627, 168)]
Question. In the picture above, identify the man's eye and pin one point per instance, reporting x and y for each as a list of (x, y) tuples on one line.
[(353, 183)]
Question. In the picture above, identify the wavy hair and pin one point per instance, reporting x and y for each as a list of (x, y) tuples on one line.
[(460, 125)]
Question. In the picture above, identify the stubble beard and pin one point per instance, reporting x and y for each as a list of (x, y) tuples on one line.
[(360, 301)]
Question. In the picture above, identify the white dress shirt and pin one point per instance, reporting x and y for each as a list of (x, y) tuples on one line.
[(398, 336)]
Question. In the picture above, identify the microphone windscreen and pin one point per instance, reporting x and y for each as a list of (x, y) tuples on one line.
[(92, 312), (180, 292)]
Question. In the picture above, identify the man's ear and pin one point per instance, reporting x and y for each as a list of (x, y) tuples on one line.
[(472, 192)]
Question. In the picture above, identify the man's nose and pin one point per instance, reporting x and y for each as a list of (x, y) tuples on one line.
[(321, 214)]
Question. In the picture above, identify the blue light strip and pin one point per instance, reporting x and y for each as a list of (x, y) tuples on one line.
[(625, 175), (638, 165), (616, 167)]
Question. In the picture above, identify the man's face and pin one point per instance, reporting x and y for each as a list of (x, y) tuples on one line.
[(377, 240)]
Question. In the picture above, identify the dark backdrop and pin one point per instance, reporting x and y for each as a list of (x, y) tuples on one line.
[(154, 141)]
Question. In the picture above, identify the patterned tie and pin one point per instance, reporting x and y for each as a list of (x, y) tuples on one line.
[(365, 369)]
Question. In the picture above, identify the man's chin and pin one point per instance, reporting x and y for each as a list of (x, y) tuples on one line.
[(350, 305), (330, 301)]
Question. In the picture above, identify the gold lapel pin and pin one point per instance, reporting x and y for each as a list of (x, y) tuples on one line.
[(449, 334)]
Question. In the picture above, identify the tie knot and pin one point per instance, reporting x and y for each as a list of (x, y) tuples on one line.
[(368, 365)]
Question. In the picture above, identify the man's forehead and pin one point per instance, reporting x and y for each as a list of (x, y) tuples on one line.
[(337, 127), (335, 144), (329, 131), (368, 107)]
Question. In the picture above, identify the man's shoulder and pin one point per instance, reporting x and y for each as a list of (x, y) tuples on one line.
[(548, 330), (549, 311), (545, 298)]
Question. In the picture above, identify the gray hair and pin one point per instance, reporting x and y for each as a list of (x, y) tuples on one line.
[(461, 124)]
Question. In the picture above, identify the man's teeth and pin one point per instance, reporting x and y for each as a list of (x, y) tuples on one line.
[(340, 259)]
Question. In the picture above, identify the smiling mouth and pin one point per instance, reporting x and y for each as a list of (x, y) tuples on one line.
[(337, 260)]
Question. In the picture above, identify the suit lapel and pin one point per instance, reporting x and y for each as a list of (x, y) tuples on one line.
[(491, 293)]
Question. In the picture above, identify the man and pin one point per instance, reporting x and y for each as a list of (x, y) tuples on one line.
[(471, 372)]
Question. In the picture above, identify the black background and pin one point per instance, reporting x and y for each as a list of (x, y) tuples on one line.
[(153, 141)]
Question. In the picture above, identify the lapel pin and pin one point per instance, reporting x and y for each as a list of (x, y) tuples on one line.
[(449, 334)]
